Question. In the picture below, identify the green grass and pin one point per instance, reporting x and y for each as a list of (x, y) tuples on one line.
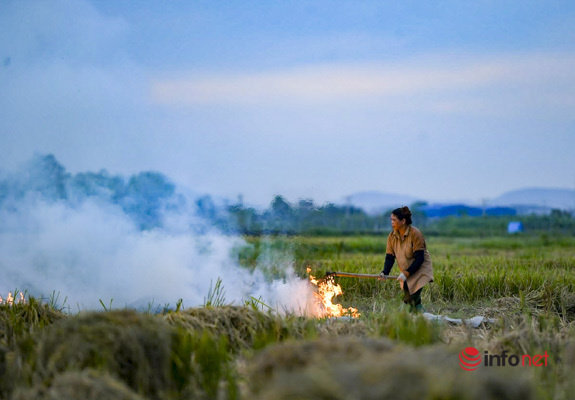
[(466, 270)]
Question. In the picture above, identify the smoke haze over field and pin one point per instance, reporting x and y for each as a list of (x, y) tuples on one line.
[(86, 242)]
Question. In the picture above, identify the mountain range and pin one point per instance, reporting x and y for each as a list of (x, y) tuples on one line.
[(525, 201)]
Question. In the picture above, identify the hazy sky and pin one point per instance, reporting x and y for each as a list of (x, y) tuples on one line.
[(320, 99)]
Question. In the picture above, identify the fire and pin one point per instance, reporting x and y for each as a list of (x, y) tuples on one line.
[(327, 289), (11, 300)]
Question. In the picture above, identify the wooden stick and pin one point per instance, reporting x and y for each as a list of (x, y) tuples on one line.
[(352, 275)]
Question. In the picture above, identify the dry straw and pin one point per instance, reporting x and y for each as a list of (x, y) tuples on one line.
[(137, 349), (349, 368), (74, 385)]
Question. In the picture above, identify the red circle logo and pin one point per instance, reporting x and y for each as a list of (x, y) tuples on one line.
[(469, 359)]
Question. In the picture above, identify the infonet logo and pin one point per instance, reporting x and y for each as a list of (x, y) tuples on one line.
[(470, 359)]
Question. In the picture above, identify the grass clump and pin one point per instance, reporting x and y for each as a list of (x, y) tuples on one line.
[(243, 327), (85, 385), (137, 349), (350, 368), (407, 328), (25, 317), (16, 322), (239, 325)]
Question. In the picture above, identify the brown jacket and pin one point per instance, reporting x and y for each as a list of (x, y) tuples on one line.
[(403, 248)]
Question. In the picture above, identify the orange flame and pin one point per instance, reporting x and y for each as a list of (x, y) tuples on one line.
[(11, 300), (327, 289)]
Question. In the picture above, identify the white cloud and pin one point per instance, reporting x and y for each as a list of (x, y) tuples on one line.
[(437, 83)]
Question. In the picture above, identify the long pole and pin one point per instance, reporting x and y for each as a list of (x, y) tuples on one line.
[(352, 275)]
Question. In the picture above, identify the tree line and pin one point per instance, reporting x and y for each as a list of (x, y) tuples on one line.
[(307, 218)]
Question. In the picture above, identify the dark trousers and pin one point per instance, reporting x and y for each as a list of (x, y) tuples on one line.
[(412, 299)]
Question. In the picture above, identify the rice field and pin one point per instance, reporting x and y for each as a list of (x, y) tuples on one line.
[(525, 284)]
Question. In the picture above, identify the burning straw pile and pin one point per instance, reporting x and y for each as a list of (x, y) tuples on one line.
[(326, 290)]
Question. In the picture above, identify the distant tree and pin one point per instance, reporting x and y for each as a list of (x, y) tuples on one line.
[(418, 213), (245, 220), (306, 206), (418, 205), (101, 184), (280, 207), (144, 197), (150, 186), (206, 207), (48, 177)]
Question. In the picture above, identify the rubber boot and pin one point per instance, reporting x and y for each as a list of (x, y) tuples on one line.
[(420, 309)]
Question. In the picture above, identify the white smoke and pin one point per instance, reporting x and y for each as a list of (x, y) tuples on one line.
[(93, 251)]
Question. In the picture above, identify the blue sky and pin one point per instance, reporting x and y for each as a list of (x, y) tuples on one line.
[(438, 100)]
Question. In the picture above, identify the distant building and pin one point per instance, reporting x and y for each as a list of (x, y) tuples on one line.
[(515, 227)]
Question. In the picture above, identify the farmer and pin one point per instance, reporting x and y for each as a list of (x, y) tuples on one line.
[(407, 244)]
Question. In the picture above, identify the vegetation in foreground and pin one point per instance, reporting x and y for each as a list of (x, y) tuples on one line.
[(239, 352)]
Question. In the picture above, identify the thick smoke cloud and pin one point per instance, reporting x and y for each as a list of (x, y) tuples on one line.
[(136, 242)]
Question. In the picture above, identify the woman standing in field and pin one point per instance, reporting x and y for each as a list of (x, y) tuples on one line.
[(407, 244)]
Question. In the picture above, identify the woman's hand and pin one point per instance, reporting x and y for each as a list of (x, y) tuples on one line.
[(382, 276), (402, 277)]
